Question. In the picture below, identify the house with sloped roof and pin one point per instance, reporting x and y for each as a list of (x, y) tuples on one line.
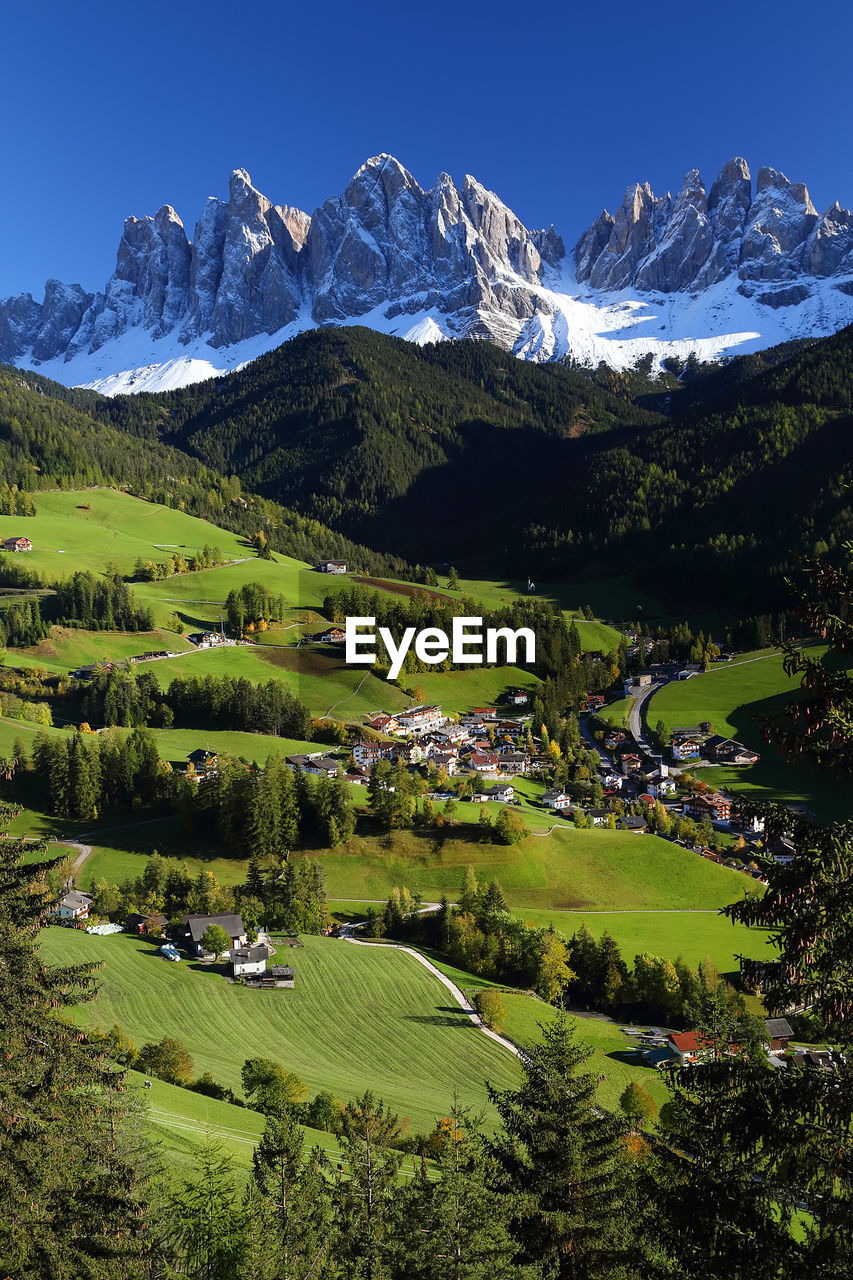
[(192, 929)]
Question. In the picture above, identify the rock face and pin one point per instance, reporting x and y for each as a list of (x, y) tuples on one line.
[(657, 244), (254, 267), (456, 258)]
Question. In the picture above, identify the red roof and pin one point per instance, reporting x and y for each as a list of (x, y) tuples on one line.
[(686, 1041)]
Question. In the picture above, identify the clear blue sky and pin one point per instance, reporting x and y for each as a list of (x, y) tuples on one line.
[(112, 109)]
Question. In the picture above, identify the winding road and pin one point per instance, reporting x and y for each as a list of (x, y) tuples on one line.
[(456, 992)]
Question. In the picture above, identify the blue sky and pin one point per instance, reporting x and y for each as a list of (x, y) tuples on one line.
[(112, 109)]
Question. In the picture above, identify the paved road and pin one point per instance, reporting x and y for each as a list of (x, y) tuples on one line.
[(635, 719)]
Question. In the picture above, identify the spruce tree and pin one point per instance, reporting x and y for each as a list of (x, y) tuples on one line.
[(449, 1224), (294, 1197), (69, 1170), (563, 1165), (366, 1188)]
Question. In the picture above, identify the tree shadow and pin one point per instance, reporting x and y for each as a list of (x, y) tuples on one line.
[(445, 1016)]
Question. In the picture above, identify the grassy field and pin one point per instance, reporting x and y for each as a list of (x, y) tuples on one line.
[(68, 648), (616, 713), (734, 697), (358, 1018), (614, 1058), (693, 935), (569, 870), (321, 680), (460, 691), (115, 529)]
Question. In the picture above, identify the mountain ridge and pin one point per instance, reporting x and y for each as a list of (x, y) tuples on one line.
[(710, 272)]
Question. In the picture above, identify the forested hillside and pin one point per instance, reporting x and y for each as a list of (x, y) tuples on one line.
[(55, 437), (456, 452)]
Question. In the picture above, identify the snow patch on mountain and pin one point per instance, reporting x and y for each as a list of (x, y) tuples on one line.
[(714, 275)]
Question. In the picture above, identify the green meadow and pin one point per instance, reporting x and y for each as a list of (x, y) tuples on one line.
[(735, 697), (359, 1018), (91, 528)]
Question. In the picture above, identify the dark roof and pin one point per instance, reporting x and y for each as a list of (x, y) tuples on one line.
[(282, 971), (778, 1027), (243, 955), (201, 754), (196, 925)]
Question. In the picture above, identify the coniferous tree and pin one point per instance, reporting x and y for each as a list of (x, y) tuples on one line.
[(294, 1197), (366, 1188), (69, 1169), (562, 1162), (449, 1224)]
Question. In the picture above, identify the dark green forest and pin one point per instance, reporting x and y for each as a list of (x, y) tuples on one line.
[(347, 440)]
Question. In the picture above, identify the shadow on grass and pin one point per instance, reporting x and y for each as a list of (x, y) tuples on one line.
[(446, 1016)]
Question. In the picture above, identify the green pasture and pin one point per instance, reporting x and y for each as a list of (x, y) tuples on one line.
[(359, 1018), (567, 870), (91, 528), (693, 935)]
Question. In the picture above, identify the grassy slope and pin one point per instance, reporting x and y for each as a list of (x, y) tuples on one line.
[(569, 870), (690, 934), (734, 697), (117, 530), (359, 1018)]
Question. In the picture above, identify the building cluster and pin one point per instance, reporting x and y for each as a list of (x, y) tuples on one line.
[(695, 742), (483, 742)]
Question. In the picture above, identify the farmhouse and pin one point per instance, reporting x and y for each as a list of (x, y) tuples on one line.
[(713, 805), (248, 961), (284, 976), (16, 544), (519, 697), (383, 723), (728, 751), (322, 767), (74, 905), (502, 792), (557, 799), (778, 1032), (191, 930), (334, 635), (332, 566), (202, 760), (637, 825), (688, 1046)]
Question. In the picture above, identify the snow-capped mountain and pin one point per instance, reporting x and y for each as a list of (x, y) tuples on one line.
[(718, 272)]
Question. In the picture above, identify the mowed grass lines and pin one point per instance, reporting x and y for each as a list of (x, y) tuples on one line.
[(91, 528), (359, 1018)]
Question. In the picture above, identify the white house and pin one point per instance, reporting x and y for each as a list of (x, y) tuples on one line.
[(249, 961), (73, 906), (557, 799)]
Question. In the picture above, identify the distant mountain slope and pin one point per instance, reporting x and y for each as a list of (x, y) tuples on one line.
[(457, 452), (728, 270)]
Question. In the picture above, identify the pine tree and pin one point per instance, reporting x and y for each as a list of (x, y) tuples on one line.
[(69, 1168), (366, 1188), (294, 1197), (562, 1163), (450, 1226), (204, 1229)]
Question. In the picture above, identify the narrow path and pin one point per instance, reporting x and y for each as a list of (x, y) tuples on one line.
[(83, 851), (347, 698), (455, 991)]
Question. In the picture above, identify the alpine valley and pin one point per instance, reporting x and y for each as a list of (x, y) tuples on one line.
[(715, 272)]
